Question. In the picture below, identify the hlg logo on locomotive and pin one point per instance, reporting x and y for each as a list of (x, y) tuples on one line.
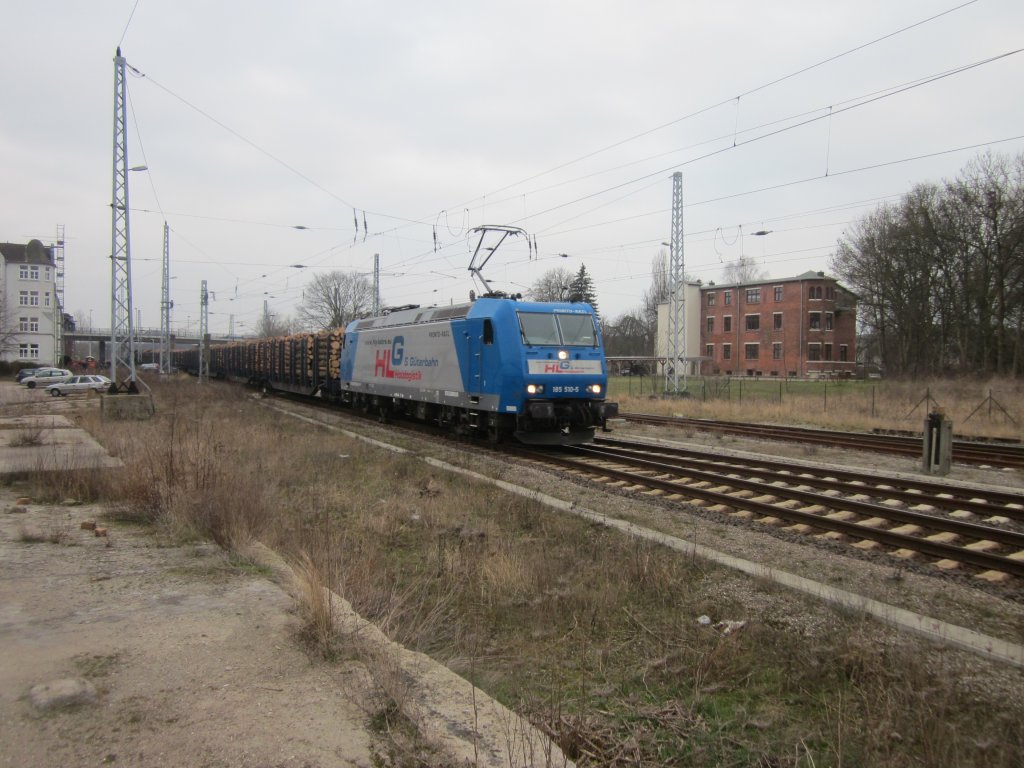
[(389, 363)]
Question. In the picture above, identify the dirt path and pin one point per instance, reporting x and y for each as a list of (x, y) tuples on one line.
[(172, 656), (192, 662)]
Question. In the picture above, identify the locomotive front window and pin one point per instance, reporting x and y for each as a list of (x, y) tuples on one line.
[(539, 329), (545, 329), (577, 330)]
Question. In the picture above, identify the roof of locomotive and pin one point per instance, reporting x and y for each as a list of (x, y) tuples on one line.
[(480, 308)]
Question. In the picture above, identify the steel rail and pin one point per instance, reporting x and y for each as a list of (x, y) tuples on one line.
[(963, 451), (939, 495), (868, 509), (936, 549)]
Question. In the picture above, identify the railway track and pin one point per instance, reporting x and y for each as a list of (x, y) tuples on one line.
[(1008, 455), (954, 527)]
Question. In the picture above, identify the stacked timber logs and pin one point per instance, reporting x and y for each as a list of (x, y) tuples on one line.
[(335, 343)]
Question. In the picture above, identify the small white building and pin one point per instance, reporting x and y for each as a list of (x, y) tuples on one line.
[(29, 311), (689, 344)]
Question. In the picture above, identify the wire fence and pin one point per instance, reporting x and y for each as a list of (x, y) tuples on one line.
[(888, 401)]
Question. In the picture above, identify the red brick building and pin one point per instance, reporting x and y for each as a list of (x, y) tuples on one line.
[(800, 326)]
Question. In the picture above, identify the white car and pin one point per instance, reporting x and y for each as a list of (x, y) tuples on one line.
[(79, 384), (45, 376)]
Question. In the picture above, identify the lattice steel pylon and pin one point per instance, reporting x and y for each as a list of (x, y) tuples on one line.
[(122, 336), (165, 306), (204, 334), (376, 284), (677, 299), (58, 312)]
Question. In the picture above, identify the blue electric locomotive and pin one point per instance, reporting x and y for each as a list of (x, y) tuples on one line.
[(534, 371)]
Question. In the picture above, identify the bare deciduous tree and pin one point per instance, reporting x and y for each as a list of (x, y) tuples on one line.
[(334, 299), (270, 325), (8, 329), (553, 285), (940, 274), (742, 270)]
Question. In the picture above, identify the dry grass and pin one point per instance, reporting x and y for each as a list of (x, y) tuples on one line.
[(56, 533), (591, 635), (28, 437), (993, 408)]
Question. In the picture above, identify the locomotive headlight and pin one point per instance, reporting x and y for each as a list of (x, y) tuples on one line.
[(534, 389), (595, 389), (563, 355)]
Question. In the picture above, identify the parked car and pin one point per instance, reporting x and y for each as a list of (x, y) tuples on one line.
[(24, 373), (149, 367), (44, 376), (83, 383)]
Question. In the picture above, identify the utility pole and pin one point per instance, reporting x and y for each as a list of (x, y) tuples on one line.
[(165, 306), (677, 287), (58, 312), (376, 284), (122, 335), (204, 334)]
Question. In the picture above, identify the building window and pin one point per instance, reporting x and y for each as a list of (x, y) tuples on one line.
[(711, 325), (727, 297), (830, 292), (727, 323), (23, 272), (815, 292), (828, 351), (709, 351), (814, 352), (28, 298), (777, 350), (33, 272), (46, 299), (28, 351), (828, 321), (815, 324), (778, 293), (727, 351), (842, 353), (28, 324), (753, 322), (711, 299), (750, 351), (777, 321), (753, 295)]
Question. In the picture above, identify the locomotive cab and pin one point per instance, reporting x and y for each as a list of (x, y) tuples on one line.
[(564, 375)]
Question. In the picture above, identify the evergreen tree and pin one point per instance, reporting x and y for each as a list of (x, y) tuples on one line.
[(582, 289)]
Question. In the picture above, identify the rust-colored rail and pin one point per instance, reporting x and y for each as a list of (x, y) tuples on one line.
[(968, 452), (685, 483)]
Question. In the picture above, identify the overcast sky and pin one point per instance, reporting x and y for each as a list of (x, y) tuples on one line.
[(564, 118)]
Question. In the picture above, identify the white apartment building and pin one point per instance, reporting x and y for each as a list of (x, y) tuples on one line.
[(28, 304)]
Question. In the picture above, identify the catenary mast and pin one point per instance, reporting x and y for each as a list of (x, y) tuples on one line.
[(165, 306), (122, 336), (677, 299)]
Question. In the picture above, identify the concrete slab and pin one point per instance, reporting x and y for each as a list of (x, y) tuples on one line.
[(48, 444)]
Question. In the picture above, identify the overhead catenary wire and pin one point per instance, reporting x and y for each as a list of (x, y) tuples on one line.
[(435, 250), (731, 99)]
